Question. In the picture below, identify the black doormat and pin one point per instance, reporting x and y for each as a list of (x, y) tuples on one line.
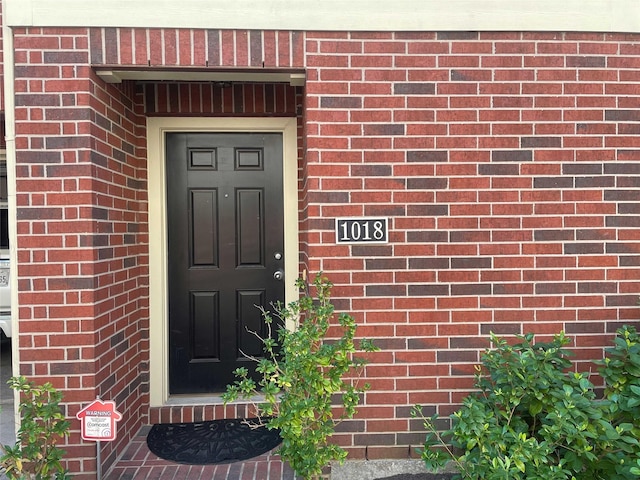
[(218, 441)]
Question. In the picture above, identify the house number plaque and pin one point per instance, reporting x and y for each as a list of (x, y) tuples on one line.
[(362, 230)]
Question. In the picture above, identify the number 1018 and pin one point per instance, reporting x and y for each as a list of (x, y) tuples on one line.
[(361, 230)]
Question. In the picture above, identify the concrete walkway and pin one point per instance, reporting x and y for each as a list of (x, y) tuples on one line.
[(385, 470)]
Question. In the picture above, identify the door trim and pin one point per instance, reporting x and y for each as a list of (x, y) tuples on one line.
[(158, 281)]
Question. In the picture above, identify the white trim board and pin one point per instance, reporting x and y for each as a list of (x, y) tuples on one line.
[(295, 79), (333, 15), (158, 281)]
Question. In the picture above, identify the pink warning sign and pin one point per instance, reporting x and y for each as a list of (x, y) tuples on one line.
[(99, 420)]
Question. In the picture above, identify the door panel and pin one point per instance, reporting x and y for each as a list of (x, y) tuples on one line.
[(250, 321), (225, 225), (250, 224), (204, 219), (205, 308)]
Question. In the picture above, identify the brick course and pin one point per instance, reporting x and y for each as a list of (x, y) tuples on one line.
[(506, 162)]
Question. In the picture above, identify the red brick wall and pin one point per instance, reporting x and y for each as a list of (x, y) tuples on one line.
[(207, 99), (197, 48), (82, 234), (508, 164), (121, 256), (509, 167)]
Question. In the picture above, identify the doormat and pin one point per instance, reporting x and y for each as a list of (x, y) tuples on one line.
[(217, 441)]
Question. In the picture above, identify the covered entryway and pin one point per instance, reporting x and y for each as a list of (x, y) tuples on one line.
[(223, 217), (225, 252)]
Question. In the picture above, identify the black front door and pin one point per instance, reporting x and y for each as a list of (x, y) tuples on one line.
[(225, 243)]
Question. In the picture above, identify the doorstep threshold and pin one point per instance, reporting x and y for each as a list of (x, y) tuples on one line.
[(188, 400)]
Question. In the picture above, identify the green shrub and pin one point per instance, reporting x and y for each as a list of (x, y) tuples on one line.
[(302, 376), (36, 456), (535, 418)]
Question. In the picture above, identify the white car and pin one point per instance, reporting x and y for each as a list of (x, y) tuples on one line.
[(5, 294), (5, 298)]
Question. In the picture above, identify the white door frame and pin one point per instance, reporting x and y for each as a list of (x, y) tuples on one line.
[(158, 281)]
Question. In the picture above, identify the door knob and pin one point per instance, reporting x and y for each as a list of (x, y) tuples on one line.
[(278, 275)]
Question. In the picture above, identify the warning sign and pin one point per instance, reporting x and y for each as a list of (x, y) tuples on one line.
[(99, 420)]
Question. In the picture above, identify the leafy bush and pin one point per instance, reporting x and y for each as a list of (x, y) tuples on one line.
[(35, 455), (535, 418), (301, 376)]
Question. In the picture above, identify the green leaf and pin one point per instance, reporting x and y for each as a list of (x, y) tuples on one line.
[(519, 464), (633, 402), (535, 407)]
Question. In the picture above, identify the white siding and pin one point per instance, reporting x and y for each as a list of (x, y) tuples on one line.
[(355, 15)]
